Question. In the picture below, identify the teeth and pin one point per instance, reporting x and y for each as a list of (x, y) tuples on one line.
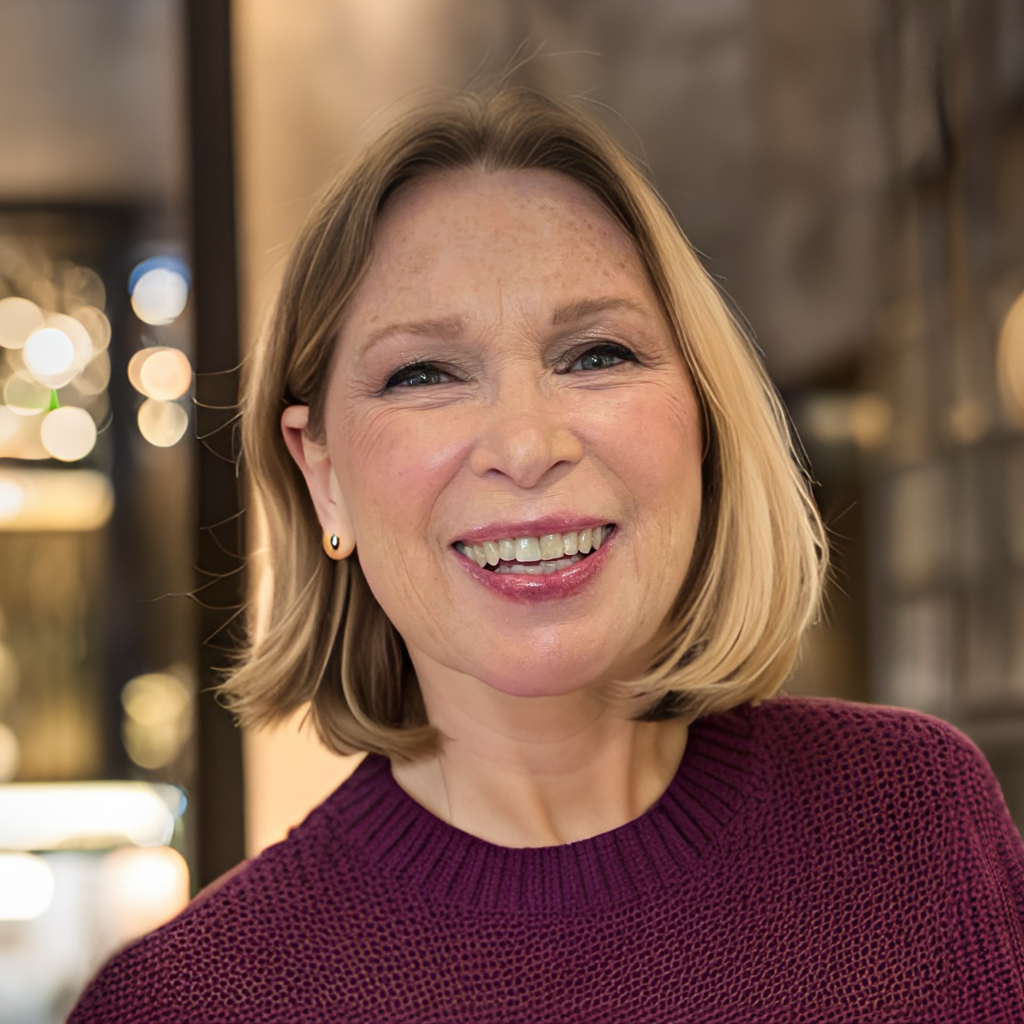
[(551, 546), (527, 549), (552, 550), (543, 569), (492, 552)]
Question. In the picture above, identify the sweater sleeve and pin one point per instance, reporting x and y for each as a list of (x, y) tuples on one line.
[(131, 989), (987, 887)]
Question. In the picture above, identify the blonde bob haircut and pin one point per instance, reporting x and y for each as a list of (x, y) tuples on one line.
[(757, 571)]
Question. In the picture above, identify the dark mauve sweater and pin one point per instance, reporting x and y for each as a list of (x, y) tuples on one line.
[(812, 860)]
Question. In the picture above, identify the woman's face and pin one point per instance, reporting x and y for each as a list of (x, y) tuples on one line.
[(506, 373)]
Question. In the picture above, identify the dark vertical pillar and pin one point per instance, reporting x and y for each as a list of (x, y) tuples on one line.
[(219, 812)]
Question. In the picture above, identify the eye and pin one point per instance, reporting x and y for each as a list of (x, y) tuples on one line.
[(416, 375), (602, 357)]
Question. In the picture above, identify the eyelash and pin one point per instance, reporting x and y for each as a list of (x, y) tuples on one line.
[(401, 377)]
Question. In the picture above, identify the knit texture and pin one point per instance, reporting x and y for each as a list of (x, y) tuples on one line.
[(812, 860)]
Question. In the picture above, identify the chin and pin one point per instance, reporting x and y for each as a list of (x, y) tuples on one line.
[(530, 679)]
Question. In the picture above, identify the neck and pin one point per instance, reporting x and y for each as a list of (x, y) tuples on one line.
[(538, 771)]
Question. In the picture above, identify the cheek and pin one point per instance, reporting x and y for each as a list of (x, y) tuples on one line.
[(393, 464), (654, 440)]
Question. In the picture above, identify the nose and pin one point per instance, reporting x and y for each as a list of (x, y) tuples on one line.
[(526, 434)]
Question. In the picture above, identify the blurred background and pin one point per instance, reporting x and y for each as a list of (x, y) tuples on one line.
[(853, 174)]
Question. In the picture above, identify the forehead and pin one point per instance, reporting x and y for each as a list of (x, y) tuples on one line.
[(533, 231)]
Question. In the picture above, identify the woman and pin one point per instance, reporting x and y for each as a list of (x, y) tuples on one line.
[(567, 557)]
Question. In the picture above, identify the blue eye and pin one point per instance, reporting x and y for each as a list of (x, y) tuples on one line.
[(603, 357), (417, 375)]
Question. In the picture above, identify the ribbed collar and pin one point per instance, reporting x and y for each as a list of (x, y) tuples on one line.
[(372, 816)]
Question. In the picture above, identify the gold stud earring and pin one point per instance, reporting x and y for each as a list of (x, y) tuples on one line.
[(332, 546)]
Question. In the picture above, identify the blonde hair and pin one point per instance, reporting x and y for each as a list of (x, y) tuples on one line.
[(759, 562)]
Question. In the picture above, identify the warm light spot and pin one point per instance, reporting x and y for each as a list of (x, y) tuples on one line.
[(87, 815), (96, 375), (870, 419), (27, 886), (97, 324), (68, 434), (48, 353), (80, 340), (57, 499), (160, 291), (158, 719), (26, 397), (166, 374), (18, 319), (840, 417), (12, 499), (162, 423), (135, 365), (144, 888), (19, 438), (9, 424), (138, 362)]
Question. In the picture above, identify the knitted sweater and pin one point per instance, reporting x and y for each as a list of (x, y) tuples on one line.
[(812, 860)]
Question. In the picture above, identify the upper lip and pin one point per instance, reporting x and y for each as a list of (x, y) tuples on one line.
[(531, 528)]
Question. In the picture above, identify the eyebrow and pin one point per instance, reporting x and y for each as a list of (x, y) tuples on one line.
[(572, 312), (444, 326), (454, 325)]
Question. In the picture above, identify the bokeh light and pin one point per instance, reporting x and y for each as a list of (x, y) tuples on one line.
[(162, 423), (19, 436), (57, 353), (166, 374), (9, 423), (27, 886), (26, 397), (18, 319), (86, 815), (96, 375), (12, 499), (83, 287), (159, 289), (49, 352), (144, 888), (175, 364), (63, 500), (96, 323), (79, 335), (68, 434), (157, 722)]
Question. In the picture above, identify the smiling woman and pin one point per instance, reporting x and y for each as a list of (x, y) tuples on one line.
[(542, 547)]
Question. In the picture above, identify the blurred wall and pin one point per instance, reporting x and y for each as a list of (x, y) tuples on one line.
[(93, 101)]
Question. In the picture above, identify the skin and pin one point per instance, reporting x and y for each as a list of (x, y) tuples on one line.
[(515, 418)]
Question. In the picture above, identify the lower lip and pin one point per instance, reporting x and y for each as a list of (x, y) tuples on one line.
[(528, 587)]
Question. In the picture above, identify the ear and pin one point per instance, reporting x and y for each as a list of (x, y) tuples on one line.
[(314, 460)]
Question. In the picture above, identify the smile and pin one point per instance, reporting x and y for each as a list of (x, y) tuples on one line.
[(537, 556)]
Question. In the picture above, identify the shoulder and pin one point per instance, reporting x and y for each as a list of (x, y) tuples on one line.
[(812, 725), (818, 744), (267, 910)]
